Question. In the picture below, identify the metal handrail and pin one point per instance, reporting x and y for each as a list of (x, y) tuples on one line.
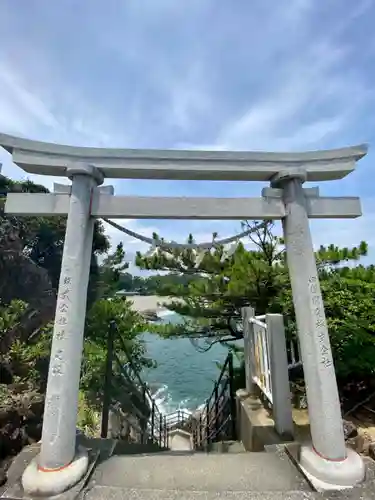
[(153, 426), (177, 419), (218, 420)]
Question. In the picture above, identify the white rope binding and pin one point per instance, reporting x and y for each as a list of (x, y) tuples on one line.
[(157, 244)]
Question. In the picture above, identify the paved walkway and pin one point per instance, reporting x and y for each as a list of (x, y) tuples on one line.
[(180, 441), (201, 472)]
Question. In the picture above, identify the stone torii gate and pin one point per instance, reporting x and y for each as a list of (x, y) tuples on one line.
[(60, 465)]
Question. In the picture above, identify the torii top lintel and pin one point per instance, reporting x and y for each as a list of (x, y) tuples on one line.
[(53, 159)]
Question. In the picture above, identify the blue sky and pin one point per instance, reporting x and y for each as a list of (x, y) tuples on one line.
[(274, 75)]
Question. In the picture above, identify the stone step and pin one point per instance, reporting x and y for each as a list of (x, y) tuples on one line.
[(227, 447), (116, 493), (104, 446), (123, 448), (108, 447), (207, 472)]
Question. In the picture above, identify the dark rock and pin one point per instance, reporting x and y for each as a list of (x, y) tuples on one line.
[(299, 401), (371, 450), (11, 440), (350, 429), (8, 415), (19, 387), (357, 443), (150, 315), (3, 476), (35, 408), (21, 415), (42, 367), (6, 373), (33, 431)]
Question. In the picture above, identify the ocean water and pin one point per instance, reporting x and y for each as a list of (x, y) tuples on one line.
[(184, 377)]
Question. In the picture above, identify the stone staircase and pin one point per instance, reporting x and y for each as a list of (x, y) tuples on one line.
[(122, 471), (228, 471)]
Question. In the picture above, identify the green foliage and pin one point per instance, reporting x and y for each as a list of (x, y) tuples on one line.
[(350, 310), (218, 287), (10, 315), (129, 322), (329, 258), (147, 285), (258, 276), (30, 261), (39, 239), (30, 361), (348, 294), (130, 325), (88, 418), (110, 272)]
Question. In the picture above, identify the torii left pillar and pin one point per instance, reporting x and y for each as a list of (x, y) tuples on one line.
[(60, 464)]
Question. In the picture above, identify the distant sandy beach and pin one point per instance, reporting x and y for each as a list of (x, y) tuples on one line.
[(149, 303)]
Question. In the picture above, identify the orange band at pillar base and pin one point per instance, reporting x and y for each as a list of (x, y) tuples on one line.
[(329, 459), (42, 469)]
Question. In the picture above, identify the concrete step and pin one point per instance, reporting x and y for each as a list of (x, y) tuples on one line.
[(227, 447), (124, 448), (108, 447), (201, 472), (116, 493), (105, 447)]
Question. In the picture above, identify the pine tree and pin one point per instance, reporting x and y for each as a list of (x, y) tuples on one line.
[(256, 274), (220, 285)]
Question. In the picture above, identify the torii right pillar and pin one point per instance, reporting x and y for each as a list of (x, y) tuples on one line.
[(327, 462)]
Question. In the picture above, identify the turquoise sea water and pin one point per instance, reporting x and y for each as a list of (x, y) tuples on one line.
[(184, 377)]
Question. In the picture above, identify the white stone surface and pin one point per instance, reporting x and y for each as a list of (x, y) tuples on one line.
[(321, 387), (60, 414), (247, 313), (157, 207), (67, 189), (85, 164), (278, 362), (348, 207), (49, 483), (151, 207), (270, 192), (327, 475), (52, 159), (201, 471), (179, 440)]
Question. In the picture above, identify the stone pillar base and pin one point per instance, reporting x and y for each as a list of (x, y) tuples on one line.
[(52, 482), (331, 475)]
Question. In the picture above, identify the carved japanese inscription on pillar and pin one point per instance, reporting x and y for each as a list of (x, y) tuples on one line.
[(320, 322), (296, 240), (57, 363), (53, 407), (62, 315)]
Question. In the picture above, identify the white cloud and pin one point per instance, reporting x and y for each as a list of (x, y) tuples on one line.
[(164, 74), (188, 97), (281, 121), (20, 109)]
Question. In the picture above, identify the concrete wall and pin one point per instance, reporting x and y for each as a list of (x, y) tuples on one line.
[(255, 427)]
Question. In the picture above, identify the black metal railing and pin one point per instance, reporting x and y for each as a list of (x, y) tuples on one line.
[(179, 419), (126, 394), (217, 420)]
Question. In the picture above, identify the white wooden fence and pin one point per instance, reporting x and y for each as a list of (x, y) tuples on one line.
[(267, 364)]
